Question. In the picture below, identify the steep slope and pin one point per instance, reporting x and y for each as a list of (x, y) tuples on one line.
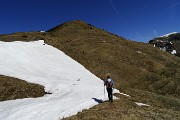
[(132, 64), (72, 87), (138, 69)]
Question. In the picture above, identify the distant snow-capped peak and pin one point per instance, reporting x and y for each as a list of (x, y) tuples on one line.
[(166, 35)]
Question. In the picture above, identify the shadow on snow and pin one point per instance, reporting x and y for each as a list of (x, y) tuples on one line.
[(98, 100)]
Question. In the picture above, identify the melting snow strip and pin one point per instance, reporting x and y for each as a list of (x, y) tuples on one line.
[(125, 94), (141, 104)]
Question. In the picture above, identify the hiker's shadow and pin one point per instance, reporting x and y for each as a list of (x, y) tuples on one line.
[(98, 100)]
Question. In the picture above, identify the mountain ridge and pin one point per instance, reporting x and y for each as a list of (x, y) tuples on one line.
[(171, 40), (166, 35)]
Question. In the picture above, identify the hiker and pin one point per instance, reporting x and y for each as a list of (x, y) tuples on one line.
[(109, 87)]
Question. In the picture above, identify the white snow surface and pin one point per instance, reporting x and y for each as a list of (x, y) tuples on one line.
[(166, 35), (125, 94), (72, 86), (174, 52), (141, 104)]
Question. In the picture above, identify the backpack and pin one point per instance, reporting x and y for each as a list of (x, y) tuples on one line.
[(109, 83)]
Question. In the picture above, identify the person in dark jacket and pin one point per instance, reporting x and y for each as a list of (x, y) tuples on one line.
[(109, 87)]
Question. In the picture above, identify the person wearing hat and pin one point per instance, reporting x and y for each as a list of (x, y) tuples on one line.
[(109, 86)]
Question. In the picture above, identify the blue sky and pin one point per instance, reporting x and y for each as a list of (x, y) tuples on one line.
[(137, 20)]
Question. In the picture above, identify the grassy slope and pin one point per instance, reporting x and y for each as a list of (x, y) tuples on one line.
[(13, 88), (132, 64), (140, 70)]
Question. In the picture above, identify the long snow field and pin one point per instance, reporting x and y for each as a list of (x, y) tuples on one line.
[(72, 86)]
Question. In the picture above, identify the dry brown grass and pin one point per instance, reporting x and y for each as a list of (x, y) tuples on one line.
[(13, 88)]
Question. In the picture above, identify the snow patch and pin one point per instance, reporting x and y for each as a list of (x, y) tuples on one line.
[(139, 52), (166, 35), (72, 86), (125, 94), (141, 104), (174, 52)]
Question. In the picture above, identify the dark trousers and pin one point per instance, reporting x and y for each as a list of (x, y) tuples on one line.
[(110, 95)]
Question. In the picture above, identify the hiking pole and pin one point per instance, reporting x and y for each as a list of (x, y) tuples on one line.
[(104, 92)]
